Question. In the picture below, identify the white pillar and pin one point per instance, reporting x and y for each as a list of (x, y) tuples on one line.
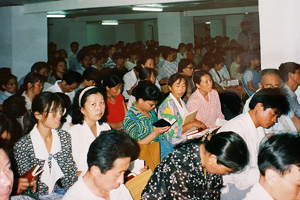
[(279, 32), (174, 28)]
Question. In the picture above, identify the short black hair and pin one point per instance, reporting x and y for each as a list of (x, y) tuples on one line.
[(198, 74), (287, 67), (147, 91), (177, 76), (279, 152), (117, 56), (36, 67), (274, 98), (183, 63), (90, 73), (108, 147), (72, 77), (111, 81)]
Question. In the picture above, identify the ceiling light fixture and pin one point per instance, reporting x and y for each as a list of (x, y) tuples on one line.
[(56, 16), (147, 9), (110, 22)]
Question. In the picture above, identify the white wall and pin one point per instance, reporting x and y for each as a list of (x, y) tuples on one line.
[(103, 35), (169, 33), (64, 31), (126, 33), (187, 29), (23, 39), (233, 25), (279, 32), (216, 28), (5, 37)]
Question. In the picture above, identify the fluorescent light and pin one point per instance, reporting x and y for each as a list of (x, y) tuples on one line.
[(56, 16), (147, 9), (110, 22), (207, 22)]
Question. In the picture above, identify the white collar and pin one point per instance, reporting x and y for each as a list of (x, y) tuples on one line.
[(181, 109), (49, 177)]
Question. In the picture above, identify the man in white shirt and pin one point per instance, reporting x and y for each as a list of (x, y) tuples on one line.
[(67, 85), (265, 107), (278, 162), (270, 78), (108, 159)]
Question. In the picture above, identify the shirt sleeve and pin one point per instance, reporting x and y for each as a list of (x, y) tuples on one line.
[(248, 76)]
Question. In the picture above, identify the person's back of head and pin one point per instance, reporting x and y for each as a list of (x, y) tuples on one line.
[(71, 77), (36, 67), (286, 68), (108, 147), (90, 74), (166, 52), (273, 98), (147, 91)]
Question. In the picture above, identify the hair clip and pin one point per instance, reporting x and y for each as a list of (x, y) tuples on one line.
[(207, 136)]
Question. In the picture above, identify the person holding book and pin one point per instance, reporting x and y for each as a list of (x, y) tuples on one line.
[(47, 147), (173, 107), (88, 117), (140, 117), (205, 100), (193, 170)]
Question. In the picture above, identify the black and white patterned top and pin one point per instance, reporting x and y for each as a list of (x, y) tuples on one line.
[(180, 176), (25, 159)]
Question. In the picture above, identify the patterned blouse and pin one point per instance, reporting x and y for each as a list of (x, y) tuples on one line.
[(169, 110), (180, 176), (137, 125), (25, 159)]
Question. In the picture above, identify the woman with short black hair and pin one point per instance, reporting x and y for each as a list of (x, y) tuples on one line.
[(193, 170)]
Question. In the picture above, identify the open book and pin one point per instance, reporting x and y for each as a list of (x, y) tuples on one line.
[(164, 122), (233, 82), (189, 117), (33, 172)]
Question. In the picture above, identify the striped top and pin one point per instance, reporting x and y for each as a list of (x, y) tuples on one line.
[(137, 125)]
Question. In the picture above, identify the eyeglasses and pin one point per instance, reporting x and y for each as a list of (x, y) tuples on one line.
[(151, 104), (191, 68), (58, 111)]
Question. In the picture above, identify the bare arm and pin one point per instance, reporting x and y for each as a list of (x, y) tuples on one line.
[(250, 86)]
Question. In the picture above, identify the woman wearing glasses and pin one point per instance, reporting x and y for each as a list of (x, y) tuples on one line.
[(47, 147), (186, 67), (140, 117), (87, 116)]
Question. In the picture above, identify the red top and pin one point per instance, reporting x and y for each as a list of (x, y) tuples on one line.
[(116, 112)]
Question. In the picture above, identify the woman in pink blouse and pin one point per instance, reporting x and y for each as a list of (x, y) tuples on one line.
[(205, 100)]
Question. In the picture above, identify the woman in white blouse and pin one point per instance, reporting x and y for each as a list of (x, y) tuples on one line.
[(87, 116), (47, 147)]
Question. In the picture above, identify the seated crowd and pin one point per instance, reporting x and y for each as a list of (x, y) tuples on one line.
[(80, 118)]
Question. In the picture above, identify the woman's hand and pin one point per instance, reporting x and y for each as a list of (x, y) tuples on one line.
[(160, 130), (198, 124), (24, 183), (145, 168)]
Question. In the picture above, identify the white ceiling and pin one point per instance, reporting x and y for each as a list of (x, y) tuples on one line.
[(72, 11)]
